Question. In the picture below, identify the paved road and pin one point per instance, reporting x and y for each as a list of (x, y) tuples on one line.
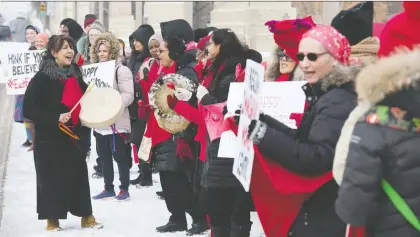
[(6, 117)]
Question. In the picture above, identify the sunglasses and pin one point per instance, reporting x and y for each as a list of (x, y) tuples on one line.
[(311, 56), (284, 56)]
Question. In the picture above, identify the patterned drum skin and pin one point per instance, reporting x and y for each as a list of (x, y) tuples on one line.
[(168, 119), (101, 108)]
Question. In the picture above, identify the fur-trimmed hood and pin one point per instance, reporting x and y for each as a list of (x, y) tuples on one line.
[(273, 71), (389, 75), (114, 47), (340, 75)]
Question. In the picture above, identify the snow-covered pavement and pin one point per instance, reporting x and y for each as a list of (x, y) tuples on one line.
[(135, 218)]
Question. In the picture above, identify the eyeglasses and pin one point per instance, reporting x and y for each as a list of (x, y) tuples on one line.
[(284, 56), (311, 56)]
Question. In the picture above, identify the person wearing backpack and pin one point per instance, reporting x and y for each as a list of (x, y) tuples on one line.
[(112, 142), (379, 182)]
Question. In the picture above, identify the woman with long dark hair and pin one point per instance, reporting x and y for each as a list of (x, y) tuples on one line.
[(227, 202), (61, 170)]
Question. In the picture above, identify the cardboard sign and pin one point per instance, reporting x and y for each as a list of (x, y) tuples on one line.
[(250, 110), (20, 66), (145, 148), (102, 73), (278, 99)]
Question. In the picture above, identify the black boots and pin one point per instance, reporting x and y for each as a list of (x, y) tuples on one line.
[(145, 176), (198, 228), (172, 226)]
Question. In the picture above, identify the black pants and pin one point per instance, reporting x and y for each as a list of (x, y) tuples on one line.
[(105, 145), (180, 197), (228, 206)]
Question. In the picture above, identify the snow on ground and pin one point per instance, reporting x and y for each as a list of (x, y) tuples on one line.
[(137, 217)]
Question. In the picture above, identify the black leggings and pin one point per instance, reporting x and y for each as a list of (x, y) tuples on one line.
[(227, 206)]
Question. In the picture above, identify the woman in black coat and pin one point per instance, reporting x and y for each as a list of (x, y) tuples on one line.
[(61, 170), (384, 146), (309, 150), (228, 204)]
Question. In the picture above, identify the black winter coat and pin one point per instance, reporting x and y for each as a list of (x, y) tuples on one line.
[(309, 150), (384, 145), (60, 163), (165, 153), (217, 171)]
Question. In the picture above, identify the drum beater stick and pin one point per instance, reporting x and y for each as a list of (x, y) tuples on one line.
[(90, 87)]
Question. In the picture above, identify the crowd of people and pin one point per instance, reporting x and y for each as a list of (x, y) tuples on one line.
[(332, 176)]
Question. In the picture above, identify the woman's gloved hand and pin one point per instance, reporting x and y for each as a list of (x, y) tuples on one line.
[(201, 92), (142, 110), (256, 130), (171, 100), (183, 94)]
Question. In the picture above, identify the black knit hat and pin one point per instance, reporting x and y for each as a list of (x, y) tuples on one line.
[(355, 23)]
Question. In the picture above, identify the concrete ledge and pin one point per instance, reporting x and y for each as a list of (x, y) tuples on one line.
[(6, 118)]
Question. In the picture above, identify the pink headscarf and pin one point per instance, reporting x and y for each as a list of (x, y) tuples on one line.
[(335, 43)]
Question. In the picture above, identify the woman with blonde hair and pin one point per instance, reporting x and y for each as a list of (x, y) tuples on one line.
[(107, 48)]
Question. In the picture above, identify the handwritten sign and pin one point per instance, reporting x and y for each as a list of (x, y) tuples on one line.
[(278, 99), (21, 67), (5, 49), (250, 110), (102, 73)]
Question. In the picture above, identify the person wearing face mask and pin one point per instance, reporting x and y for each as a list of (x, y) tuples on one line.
[(106, 48), (61, 170), (309, 150)]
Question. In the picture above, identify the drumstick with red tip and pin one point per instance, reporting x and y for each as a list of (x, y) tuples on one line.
[(170, 85), (90, 87)]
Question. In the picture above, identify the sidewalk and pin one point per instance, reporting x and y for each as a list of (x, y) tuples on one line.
[(137, 217)]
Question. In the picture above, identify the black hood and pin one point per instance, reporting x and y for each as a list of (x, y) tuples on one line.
[(145, 28), (179, 28), (143, 35), (75, 30)]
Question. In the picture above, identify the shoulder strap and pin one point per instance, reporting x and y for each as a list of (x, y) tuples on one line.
[(116, 74), (401, 205)]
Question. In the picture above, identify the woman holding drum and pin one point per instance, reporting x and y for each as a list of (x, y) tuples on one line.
[(112, 141), (61, 171)]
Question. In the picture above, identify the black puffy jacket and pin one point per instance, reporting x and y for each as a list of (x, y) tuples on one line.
[(384, 145), (165, 152), (309, 150), (217, 172)]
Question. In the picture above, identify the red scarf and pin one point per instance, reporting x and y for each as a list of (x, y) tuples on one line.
[(72, 93), (282, 77), (160, 135)]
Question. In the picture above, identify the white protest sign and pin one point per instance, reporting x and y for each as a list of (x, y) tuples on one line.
[(278, 99), (20, 66), (102, 73), (5, 48), (250, 110)]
